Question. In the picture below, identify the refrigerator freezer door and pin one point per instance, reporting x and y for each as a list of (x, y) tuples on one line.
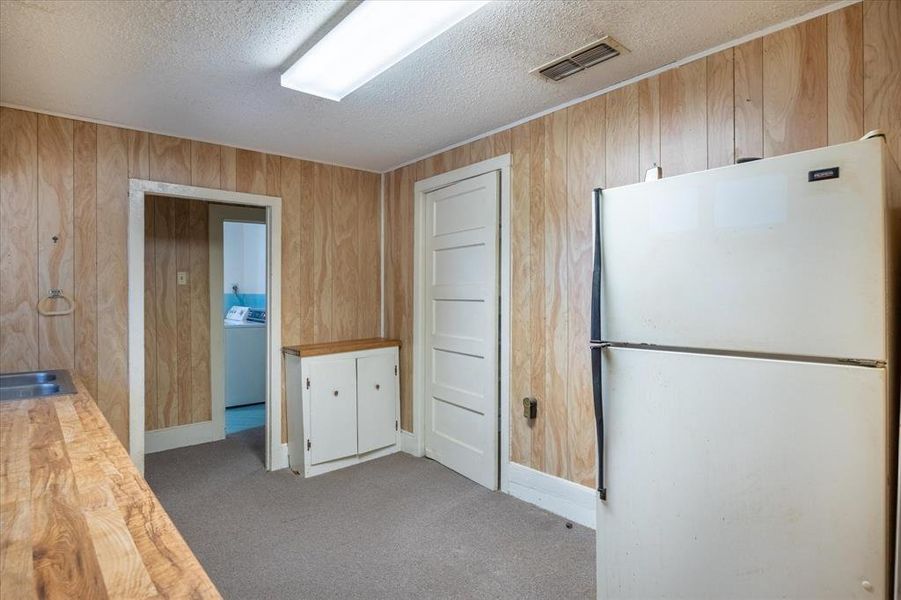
[(753, 257), (742, 478)]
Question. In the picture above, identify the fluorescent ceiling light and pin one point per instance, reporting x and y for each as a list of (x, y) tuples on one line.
[(375, 36)]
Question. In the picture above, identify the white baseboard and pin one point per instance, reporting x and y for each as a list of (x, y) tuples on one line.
[(180, 436), (559, 496), (409, 443)]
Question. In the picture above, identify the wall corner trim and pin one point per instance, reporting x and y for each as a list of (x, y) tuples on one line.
[(570, 500)]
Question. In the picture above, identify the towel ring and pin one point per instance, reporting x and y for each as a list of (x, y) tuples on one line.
[(55, 294)]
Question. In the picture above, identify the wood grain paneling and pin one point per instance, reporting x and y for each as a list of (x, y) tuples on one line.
[(183, 363), (165, 242), (18, 240), (199, 278), (720, 109), (882, 71), (177, 317), (538, 291), (683, 118), (139, 154), (151, 392), (556, 301), (748, 98), (520, 280), (250, 172), (345, 208), (794, 88), (228, 168), (273, 175), (56, 143), (323, 251), (703, 114), (845, 61), (585, 159), (85, 253), (205, 165), (622, 134), (170, 159), (292, 265), (648, 124), (112, 277), (368, 286), (306, 302)]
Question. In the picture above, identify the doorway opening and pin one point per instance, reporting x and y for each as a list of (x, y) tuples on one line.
[(238, 298), (163, 351)]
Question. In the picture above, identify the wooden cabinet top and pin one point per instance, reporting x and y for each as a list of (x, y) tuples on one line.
[(79, 520), (307, 350)]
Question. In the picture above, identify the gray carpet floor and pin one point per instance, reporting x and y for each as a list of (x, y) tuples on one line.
[(395, 527)]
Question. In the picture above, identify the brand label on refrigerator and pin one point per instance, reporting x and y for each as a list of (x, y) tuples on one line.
[(821, 174)]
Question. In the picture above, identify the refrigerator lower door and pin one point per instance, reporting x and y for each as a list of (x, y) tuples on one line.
[(734, 477)]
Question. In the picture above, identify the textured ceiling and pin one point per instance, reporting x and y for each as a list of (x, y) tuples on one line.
[(209, 70)]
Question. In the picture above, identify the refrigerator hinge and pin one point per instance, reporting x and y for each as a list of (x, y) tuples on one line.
[(862, 362)]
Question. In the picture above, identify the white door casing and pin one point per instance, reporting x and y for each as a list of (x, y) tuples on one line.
[(461, 327)]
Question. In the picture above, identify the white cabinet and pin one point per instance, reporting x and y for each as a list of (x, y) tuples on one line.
[(333, 409), (376, 402), (343, 404)]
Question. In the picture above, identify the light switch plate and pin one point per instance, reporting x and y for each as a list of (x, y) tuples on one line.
[(182, 278)]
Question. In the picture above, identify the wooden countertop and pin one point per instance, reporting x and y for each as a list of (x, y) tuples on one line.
[(78, 519), (307, 350)]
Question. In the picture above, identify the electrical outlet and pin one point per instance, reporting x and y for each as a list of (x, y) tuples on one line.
[(182, 278)]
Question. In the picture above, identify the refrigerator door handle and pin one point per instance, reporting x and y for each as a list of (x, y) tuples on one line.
[(596, 334)]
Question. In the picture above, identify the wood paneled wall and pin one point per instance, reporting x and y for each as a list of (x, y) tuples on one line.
[(825, 81), (176, 317), (68, 179)]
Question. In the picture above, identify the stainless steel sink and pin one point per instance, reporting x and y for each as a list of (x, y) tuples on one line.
[(35, 384)]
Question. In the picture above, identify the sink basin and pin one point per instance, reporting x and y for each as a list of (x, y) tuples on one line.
[(35, 384)]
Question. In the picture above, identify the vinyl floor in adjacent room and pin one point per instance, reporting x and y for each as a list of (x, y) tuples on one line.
[(396, 527)]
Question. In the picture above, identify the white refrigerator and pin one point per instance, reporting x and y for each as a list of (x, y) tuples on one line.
[(743, 373)]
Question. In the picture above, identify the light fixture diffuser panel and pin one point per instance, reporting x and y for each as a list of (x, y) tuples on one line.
[(373, 37)]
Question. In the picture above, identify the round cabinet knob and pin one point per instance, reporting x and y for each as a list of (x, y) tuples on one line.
[(867, 585), (336, 392), (378, 387)]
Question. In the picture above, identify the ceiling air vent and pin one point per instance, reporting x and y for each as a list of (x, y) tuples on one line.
[(579, 60)]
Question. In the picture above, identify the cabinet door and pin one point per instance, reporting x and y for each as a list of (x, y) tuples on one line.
[(376, 401), (333, 410)]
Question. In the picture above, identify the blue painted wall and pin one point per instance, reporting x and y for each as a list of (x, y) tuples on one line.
[(251, 300)]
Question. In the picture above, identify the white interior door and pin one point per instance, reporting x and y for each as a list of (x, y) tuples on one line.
[(734, 477), (461, 324)]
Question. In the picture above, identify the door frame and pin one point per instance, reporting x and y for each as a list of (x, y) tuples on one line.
[(276, 451), (219, 214), (420, 189)]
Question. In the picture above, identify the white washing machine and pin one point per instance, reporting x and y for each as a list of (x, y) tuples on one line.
[(245, 356)]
